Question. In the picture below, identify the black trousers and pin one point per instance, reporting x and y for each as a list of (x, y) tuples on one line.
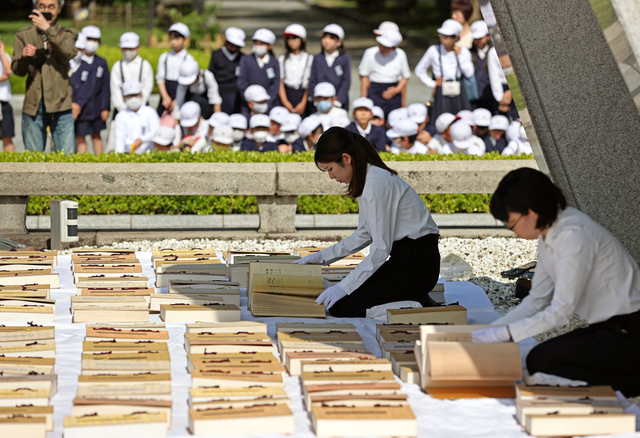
[(409, 274), (606, 353)]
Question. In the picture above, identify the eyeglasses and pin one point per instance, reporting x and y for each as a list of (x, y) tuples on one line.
[(510, 228), (51, 8)]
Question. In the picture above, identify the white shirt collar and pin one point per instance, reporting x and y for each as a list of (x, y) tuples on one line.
[(227, 54), (482, 53), (330, 58), (263, 61), (88, 59), (363, 132)]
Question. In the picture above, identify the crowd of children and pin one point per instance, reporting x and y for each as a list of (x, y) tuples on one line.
[(258, 102)]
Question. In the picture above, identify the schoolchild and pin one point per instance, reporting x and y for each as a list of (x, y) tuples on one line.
[(225, 66), (7, 125), (163, 139), (463, 141), (168, 69), (419, 113), (277, 115), (131, 66), (500, 87), (378, 117), (295, 70), (222, 138), (137, 125), (324, 99), (481, 46), (239, 124), (197, 85), (404, 136), (217, 119), (290, 135), (517, 140), (193, 130), (333, 65), (482, 118), (498, 129), (362, 114), (309, 130), (259, 125), (257, 100), (74, 62)]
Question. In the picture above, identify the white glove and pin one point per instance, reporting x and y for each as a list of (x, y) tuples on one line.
[(314, 259), (330, 296), (551, 380), (491, 335)]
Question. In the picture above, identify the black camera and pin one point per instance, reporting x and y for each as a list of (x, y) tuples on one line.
[(47, 15)]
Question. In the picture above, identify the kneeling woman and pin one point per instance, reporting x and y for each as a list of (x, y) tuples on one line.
[(582, 270), (393, 220)]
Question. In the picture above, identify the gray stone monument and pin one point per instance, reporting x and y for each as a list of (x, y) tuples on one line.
[(584, 120)]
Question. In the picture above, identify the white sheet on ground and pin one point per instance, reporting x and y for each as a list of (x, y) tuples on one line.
[(436, 418)]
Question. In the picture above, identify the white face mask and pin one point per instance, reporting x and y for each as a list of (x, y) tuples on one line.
[(91, 47), (290, 138), (133, 103), (260, 136), (260, 108), (260, 50), (129, 54), (237, 135)]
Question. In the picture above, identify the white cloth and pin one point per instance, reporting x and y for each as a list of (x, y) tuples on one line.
[(482, 53), (333, 112), (436, 143), (131, 71), (88, 59), (5, 86), (478, 148), (205, 83), (416, 148), (131, 126), (363, 132), (390, 210), (296, 71), (517, 146), (496, 75), (330, 58), (263, 61), (384, 69), (582, 270), (173, 61), (450, 69)]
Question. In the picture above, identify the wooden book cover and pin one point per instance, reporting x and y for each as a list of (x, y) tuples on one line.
[(113, 346), (107, 300), (108, 268), (364, 421), (27, 261), (32, 349), (425, 315), (208, 338), (223, 358), (110, 420), (199, 312), (165, 278), (33, 381), (204, 283), (27, 313), (25, 365), (565, 393), (576, 425), (83, 258), (94, 312), (289, 327), (258, 410), (234, 366), (337, 377), (28, 333), (136, 326), (200, 395), (28, 253), (35, 276), (102, 251), (83, 401), (398, 336), (157, 299), (526, 408), (116, 291), (23, 287), (143, 361), (218, 270), (233, 379), (37, 293), (102, 280), (125, 334), (258, 419), (22, 396), (29, 426), (18, 412), (472, 361), (293, 360), (169, 251), (32, 271), (356, 365), (444, 333)]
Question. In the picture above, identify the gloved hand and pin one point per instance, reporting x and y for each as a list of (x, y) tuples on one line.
[(330, 296), (491, 335), (315, 258), (551, 380)]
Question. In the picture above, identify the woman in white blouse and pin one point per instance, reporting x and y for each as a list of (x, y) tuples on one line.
[(582, 270), (393, 219)]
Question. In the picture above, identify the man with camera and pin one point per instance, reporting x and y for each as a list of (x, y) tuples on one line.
[(42, 53)]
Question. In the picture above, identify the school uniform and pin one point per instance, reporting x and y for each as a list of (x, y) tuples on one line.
[(498, 82), (485, 96), (137, 69), (384, 72), (201, 132), (517, 146), (583, 270), (299, 145), (394, 220), (489, 143), (416, 148), (7, 125), (296, 71), (225, 66), (168, 72), (91, 92), (263, 71), (248, 144), (478, 148), (131, 125), (333, 112), (376, 135), (450, 67), (335, 69), (204, 92)]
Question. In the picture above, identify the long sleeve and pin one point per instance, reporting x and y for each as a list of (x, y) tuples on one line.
[(84, 92), (63, 44), (19, 65), (213, 95), (364, 69), (274, 88), (105, 102), (422, 68), (153, 124), (313, 76), (120, 129), (343, 90), (466, 63), (116, 88), (161, 74), (147, 81), (355, 242), (243, 77), (496, 75)]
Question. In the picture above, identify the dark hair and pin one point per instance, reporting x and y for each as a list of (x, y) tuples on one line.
[(337, 141), (524, 189), (341, 50), (176, 34), (463, 6), (287, 49)]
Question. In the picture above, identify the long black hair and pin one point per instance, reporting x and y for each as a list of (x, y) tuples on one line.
[(341, 50), (527, 189), (337, 141)]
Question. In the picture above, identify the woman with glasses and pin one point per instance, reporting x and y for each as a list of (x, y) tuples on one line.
[(583, 271)]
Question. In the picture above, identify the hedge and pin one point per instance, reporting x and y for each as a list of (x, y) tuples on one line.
[(317, 204)]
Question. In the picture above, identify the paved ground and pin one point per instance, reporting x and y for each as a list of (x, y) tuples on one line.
[(276, 15)]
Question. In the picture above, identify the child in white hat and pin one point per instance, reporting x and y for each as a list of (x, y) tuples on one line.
[(168, 70), (481, 46), (197, 85), (333, 65), (259, 125), (193, 130), (137, 125), (362, 114), (518, 142), (239, 124), (448, 63), (405, 137), (290, 135), (324, 98), (497, 129), (463, 141), (225, 66), (131, 67), (295, 70)]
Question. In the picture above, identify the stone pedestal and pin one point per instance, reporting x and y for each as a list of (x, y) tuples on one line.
[(277, 213), (583, 114), (13, 214)]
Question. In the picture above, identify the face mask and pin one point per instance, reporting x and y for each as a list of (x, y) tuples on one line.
[(133, 103), (290, 138), (260, 108), (92, 47), (129, 55), (260, 136), (324, 106), (237, 135), (259, 50)]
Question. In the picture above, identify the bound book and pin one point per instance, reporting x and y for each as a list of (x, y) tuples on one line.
[(23, 366), (16, 412), (239, 271), (27, 261), (526, 408), (204, 284), (341, 377), (182, 273), (242, 403), (379, 420), (355, 365), (227, 296), (139, 424), (196, 363), (181, 251), (398, 336), (20, 335), (428, 315), (118, 281), (285, 290), (77, 302), (383, 388), (336, 274), (23, 292), (233, 379), (110, 312), (101, 251), (293, 360), (576, 425), (565, 393), (205, 395), (399, 328), (401, 359), (133, 362), (120, 268), (157, 299), (36, 313), (332, 340), (24, 396), (31, 349), (126, 334), (232, 257), (123, 386), (359, 400), (258, 419), (410, 373), (28, 426), (31, 276), (32, 381), (117, 406), (300, 327), (122, 347), (199, 343), (199, 312), (226, 327), (212, 360), (116, 291), (106, 258), (188, 263)]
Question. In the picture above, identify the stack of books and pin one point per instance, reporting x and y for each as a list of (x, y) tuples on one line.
[(238, 262), (125, 384), (397, 342), (350, 260), (194, 264), (453, 367), (226, 292), (107, 270), (27, 380), (571, 411), (237, 382), (453, 314), (287, 290)]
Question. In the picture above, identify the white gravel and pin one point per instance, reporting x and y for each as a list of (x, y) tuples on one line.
[(487, 257)]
